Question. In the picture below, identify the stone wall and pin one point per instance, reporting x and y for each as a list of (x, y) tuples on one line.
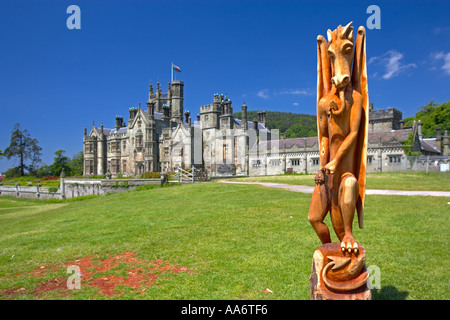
[(32, 192), (72, 188), (378, 160)]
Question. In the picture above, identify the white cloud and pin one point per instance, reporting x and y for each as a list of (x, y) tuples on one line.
[(264, 93), (392, 62), (440, 30), (295, 104), (438, 56), (301, 92)]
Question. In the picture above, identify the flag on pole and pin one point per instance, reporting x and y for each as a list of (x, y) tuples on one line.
[(175, 68)]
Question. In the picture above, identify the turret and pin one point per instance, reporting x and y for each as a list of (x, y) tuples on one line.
[(151, 110), (177, 101), (244, 123), (150, 91)]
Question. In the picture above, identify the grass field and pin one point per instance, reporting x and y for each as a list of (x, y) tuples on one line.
[(433, 181), (210, 241)]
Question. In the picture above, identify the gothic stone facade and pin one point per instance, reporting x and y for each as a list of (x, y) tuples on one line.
[(160, 139)]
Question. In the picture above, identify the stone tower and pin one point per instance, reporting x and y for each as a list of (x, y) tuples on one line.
[(151, 144), (210, 113), (382, 120), (176, 98)]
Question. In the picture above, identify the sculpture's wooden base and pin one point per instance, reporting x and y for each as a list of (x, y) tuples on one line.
[(321, 291)]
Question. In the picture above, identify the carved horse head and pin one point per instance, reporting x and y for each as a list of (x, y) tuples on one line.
[(340, 50)]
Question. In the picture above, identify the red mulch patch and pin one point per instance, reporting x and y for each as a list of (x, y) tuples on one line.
[(105, 274)]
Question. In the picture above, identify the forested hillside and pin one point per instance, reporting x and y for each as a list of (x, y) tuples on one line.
[(293, 125), (432, 115)]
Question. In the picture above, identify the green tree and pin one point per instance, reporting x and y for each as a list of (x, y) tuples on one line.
[(12, 172), (43, 171), (432, 115), (25, 149), (293, 125), (60, 162), (76, 164), (408, 146)]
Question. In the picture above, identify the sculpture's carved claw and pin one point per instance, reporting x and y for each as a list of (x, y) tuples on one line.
[(349, 247), (349, 244)]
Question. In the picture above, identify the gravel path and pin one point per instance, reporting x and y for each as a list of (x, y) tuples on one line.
[(307, 189)]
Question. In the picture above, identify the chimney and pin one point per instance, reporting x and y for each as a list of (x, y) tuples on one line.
[(438, 142), (186, 116), (119, 122), (150, 110), (419, 129), (262, 117), (371, 106), (255, 125), (446, 151), (244, 124), (166, 114), (198, 117), (85, 131), (133, 112)]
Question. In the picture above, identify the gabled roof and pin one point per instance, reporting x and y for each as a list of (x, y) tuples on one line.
[(389, 137), (429, 145)]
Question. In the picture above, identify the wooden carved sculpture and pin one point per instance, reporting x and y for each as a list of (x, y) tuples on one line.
[(342, 119)]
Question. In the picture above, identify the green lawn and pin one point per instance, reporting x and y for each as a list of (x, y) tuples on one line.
[(433, 181), (235, 240)]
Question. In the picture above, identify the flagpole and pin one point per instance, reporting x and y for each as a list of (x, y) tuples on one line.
[(171, 73)]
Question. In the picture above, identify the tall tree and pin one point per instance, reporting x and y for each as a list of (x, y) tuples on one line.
[(24, 148), (76, 164), (60, 162)]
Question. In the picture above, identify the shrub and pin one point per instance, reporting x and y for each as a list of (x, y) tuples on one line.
[(121, 185), (50, 178), (53, 189), (12, 172), (151, 175)]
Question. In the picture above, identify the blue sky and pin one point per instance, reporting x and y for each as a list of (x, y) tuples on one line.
[(55, 81)]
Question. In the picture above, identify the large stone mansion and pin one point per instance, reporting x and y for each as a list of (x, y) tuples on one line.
[(164, 137)]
